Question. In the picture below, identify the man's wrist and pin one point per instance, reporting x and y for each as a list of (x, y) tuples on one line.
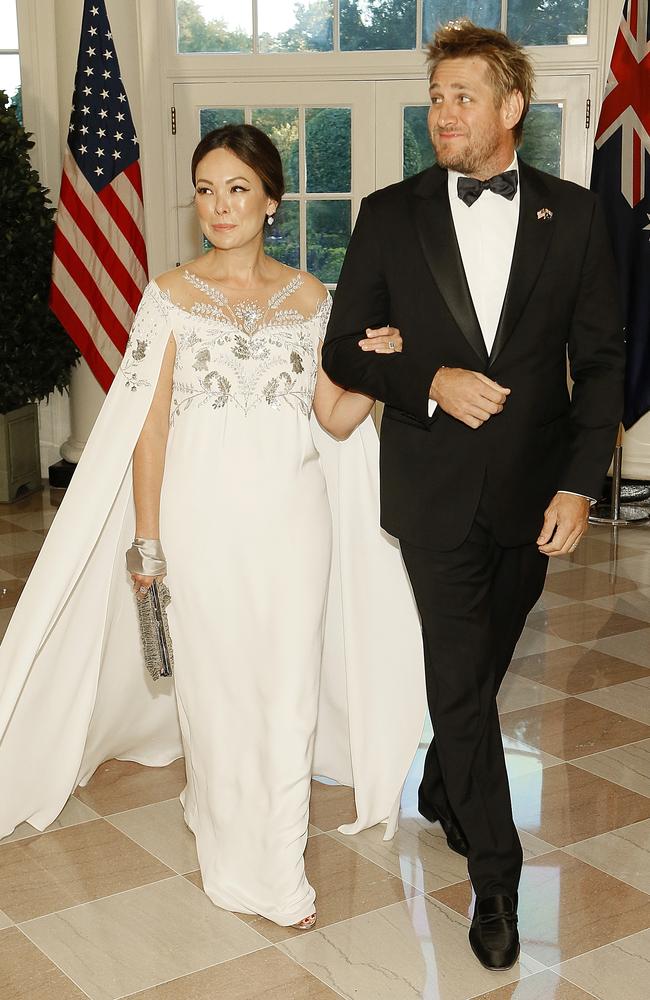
[(431, 389), (571, 493)]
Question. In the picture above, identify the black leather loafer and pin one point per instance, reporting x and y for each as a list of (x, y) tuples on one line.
[(455, 839), (493, 936)]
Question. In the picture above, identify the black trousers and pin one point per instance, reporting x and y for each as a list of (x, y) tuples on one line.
[(473, 603)]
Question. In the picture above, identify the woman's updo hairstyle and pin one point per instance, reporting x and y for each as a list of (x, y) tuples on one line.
[(253, 147)]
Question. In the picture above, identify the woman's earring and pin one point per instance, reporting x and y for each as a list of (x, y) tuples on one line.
[(270, 219)]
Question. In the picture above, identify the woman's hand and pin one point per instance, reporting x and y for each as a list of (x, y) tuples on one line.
[(141, 584), (384, 340)]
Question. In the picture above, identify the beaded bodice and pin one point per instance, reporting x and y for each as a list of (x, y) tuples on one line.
[(242, 350)]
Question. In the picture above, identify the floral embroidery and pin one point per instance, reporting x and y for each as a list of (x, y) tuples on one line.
[(242, 355), (149, 323)]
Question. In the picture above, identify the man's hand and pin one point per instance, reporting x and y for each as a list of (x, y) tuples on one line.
[(468, 396), (565, 521), (383, 340)]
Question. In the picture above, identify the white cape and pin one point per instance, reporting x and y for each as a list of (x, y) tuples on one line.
[(73, 688)]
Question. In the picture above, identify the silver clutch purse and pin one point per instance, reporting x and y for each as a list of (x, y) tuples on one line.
[(154, 630)]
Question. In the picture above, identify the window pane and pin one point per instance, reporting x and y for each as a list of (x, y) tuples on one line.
[(542, 145), (212, 118), (8, 25), (549, 23), (214, 25), (287, 26), (484, 12), (329, 138), (10, 82), (283, 237), (417, 151), (281, 126), (328, 233), (378, 24)]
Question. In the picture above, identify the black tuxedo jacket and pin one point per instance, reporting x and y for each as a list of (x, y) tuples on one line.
[(403, 267)]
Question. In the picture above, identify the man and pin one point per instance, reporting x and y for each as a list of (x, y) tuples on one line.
[(492, 271)]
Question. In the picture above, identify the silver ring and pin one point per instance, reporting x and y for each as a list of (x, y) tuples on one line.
[(143, 590), (391, 344)]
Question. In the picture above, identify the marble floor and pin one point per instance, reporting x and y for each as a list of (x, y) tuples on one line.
[(107, 903)]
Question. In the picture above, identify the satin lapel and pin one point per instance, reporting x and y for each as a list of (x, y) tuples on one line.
[(437, 236), (534, 234)]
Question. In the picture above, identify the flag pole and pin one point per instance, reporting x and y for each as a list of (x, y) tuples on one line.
[(614, 512)]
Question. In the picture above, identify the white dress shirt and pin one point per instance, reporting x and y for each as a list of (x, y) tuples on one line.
[(486, 233)]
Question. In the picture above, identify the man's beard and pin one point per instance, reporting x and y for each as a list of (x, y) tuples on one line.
[(471, 160)]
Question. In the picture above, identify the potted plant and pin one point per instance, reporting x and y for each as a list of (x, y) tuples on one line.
[(35, 352)]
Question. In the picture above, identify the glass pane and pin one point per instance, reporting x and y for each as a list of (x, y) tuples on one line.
[(212, 118), (287, 26), (417, 151), (487, 13), (328, 233), (214, 25), (553, 22), (542, 145), (283, 237), (10, 82), (281, 125), (8, 25), (378, 24), (329, 140)]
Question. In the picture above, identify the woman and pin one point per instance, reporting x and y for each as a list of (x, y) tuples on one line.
[(214, 398)]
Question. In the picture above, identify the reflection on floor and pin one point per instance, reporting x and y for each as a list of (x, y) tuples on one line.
[(108, 902)]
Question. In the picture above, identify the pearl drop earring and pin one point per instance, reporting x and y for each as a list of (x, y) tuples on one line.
[(270, 219)]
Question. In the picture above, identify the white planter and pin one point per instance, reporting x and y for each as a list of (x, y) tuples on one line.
[(20, 466)]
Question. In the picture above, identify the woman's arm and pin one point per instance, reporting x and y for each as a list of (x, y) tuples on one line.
[(339, 410), (149, 458)]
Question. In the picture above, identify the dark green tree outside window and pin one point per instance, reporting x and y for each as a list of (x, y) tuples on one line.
[(378, 24)]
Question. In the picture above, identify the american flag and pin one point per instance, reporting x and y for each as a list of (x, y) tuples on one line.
[(621, 175), (99, 268)]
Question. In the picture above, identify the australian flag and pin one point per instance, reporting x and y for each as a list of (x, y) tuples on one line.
[(621, 175)]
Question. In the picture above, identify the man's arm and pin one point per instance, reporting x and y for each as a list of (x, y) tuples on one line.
[(362, 301), (597, 365)]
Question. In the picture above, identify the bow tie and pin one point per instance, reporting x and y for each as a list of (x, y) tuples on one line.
[(470, 189)]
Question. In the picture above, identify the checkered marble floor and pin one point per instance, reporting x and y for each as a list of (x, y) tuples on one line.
[(107, 903)]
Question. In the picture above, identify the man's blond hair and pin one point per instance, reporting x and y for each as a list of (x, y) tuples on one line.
[(509, 67)]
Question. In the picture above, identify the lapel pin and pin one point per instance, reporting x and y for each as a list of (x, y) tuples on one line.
[(544, 214)]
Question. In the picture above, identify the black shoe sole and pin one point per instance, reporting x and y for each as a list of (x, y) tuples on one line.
[(496, 968)]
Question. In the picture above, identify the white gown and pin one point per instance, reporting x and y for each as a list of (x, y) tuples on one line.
[(296, 640)]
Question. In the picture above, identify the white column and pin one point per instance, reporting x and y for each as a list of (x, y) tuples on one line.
[(86, 399)]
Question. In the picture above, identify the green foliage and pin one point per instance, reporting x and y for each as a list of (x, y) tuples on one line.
[(543, 138), (311, 32), (487, 13), (17, 102), (36, 352), (546, 22), (195, 34), (328, 135), (378, 24)]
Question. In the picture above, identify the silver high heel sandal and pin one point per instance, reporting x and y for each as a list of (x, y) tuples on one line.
[(306, 923)]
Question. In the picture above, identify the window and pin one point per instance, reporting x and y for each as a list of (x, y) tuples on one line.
[(274, 26), (9, 60)]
